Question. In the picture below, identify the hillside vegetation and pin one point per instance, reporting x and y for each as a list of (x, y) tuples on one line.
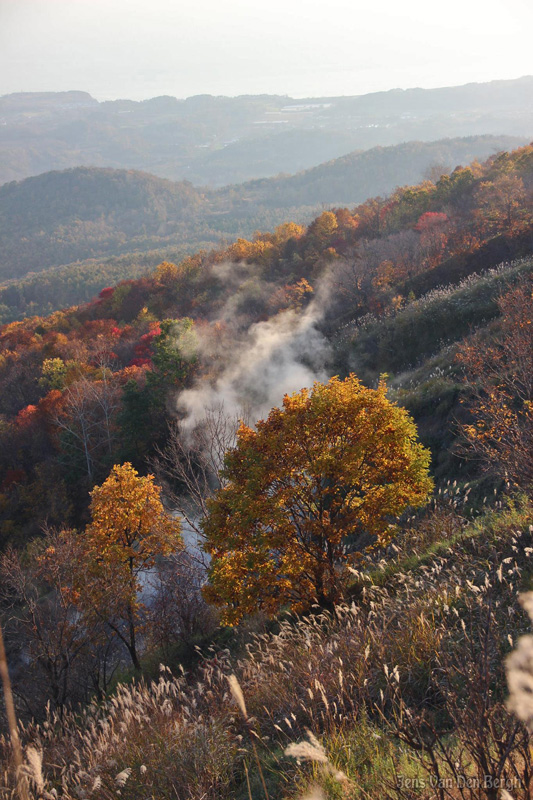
[(62, 217), (345, 265), (403, 688), (85, 213), (41, 293), (378, 171), (367, 655)]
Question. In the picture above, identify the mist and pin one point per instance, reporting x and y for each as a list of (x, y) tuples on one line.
[(256, 366), (138, 50)]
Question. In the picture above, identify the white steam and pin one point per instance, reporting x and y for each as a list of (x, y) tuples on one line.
[(255, 369)]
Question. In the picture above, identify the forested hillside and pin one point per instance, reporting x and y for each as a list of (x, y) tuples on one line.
[(61, 217), (75, 215), (367, 530), (41, 293), (378, 171), (375, 259)]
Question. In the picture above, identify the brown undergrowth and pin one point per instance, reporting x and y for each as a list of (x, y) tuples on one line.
[(399, 689)]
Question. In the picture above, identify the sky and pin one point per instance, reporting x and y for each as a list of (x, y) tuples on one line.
[(139, 49)]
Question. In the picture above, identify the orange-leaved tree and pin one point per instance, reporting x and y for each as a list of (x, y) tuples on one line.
[(128, 531), (337, 463)]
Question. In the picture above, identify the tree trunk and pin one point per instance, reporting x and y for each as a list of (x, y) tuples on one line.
[(132, 645)]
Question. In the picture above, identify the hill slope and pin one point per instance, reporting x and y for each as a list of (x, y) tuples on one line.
[(84, 213), (295, 285), (220, 140), (354, 177), (404, 685), (61, 217)]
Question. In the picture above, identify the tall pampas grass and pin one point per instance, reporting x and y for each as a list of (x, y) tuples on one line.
[(519, 667), (237, 725), (22, 786)]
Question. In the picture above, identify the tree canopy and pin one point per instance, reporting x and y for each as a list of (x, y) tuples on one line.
[(335, 464), (129, 529)]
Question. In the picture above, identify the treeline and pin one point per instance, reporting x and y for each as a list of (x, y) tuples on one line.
[(85, 213)]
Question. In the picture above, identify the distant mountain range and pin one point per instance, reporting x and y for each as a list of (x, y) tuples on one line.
[(215, 141), (83, 213), (355, 177)]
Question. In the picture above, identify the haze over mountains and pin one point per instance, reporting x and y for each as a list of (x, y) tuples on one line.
[(220, 140), (106, 190), (86, 212)]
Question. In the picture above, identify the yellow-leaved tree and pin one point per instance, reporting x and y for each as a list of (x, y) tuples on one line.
[(129, 529), (339, 462)]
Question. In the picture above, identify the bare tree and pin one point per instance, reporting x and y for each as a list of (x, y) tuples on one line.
[(42, 626), (189, 467), (87, 415), (177, 610), (463, 735), (499, 370)]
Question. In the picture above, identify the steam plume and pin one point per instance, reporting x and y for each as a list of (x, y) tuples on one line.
[(260, 366)]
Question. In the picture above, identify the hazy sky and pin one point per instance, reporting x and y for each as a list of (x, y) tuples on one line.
[(144, 48)]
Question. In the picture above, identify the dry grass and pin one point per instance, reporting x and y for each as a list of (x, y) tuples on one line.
[(200, 736)]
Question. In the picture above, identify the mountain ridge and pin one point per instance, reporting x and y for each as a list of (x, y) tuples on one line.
[(61, 217), (220, 140)]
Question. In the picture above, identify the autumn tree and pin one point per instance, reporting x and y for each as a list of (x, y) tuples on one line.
[(499, 371), (431, 227), (40, 624), (371, 216), (128, 531), (455, 191), (85, 417), (337, 464), (166, 273), (500, 201)]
